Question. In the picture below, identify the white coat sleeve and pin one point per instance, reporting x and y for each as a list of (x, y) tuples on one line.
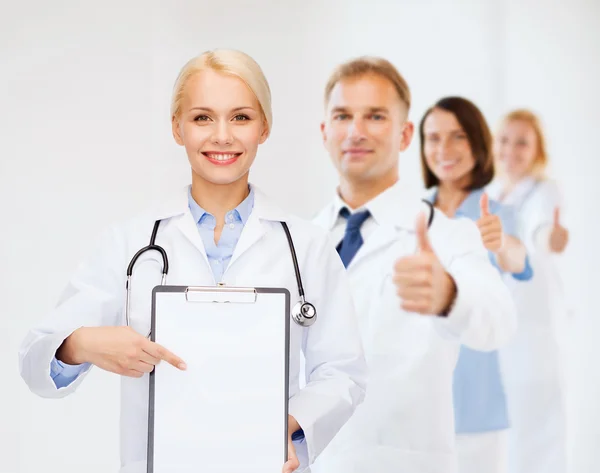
[(93, 297), (483, 316), (335, 364)]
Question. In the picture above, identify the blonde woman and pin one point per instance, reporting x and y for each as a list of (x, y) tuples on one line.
[(531, 364), (220, 229)]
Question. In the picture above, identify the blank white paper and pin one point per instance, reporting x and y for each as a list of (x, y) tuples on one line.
[(226, 412)]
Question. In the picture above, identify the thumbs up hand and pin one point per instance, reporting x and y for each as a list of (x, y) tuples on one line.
[(490, 227), (559, 236), (421, 281)]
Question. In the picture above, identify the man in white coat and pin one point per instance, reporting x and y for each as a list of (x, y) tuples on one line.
[(422, 283)]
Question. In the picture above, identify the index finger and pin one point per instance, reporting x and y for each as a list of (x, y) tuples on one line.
[(162, 353)]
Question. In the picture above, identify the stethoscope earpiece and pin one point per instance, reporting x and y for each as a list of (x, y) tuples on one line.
[(304, 314)]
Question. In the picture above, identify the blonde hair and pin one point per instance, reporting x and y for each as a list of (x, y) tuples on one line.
[(541, 160), (231, 62), (364, 65)]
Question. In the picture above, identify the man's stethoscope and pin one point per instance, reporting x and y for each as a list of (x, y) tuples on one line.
[(303, 313)]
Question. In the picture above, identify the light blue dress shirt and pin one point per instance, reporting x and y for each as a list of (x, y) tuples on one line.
[(219, 255), (479, 398)]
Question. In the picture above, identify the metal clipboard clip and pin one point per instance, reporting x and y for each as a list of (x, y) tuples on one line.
[(220, 294)]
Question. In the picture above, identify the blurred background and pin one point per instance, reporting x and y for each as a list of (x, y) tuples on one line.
[(85, 140)]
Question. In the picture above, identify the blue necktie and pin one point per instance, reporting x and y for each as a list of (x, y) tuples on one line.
[(353, 240), (347, 249)]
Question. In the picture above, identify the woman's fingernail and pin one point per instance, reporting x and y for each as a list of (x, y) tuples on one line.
[(182, 366)]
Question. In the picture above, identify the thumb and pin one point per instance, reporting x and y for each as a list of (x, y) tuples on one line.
[(484, 204), (423, 244), (557, 216)]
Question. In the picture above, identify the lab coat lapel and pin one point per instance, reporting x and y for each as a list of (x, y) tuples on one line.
[(253, 231), (516, 196), (178, 212), (265, 212), (381, 238), (260, 222), (186, 225), (395, 211), (519, 195)]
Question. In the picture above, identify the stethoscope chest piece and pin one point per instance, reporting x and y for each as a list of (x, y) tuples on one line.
[(304, 314)]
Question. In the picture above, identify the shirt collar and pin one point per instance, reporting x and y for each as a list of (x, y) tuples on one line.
[(468, 207), (398, 205), (177, 204), (339, 204), (241, 212)]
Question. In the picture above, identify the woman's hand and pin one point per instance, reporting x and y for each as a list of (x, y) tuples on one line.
[(490, 227), (293, 463), (559, 235), (510, 252), (120, 350)]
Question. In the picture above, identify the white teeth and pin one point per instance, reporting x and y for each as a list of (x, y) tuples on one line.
[(449, 163), (221, 157)]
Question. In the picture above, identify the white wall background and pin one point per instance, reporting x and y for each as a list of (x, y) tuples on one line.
[(85, 140)]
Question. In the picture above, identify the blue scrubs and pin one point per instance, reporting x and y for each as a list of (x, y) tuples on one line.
[(479, 398)]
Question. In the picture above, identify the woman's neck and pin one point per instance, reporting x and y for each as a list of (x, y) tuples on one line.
[(508, 184), (449, 197), (218, 199)]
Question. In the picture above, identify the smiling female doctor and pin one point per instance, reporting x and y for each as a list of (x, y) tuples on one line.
[(457, 163), (218, 230)]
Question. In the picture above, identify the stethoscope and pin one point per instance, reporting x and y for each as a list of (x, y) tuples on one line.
[(303, 313)]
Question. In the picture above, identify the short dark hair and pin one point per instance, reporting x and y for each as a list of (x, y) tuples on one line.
[(478, 133)]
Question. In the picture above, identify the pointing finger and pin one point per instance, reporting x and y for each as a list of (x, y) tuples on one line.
[(170, 357)]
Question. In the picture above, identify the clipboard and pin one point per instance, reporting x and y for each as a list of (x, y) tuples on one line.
[(229, 410)]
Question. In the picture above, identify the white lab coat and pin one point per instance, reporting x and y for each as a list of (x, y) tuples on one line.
[(95, 296), (406, 423), (532, 363)]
